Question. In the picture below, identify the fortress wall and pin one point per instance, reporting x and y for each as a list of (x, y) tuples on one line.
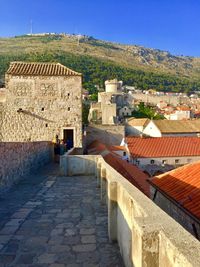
[(19, 159)]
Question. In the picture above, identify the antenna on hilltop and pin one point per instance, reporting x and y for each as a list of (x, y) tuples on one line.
[(78, 39), (31, 27)]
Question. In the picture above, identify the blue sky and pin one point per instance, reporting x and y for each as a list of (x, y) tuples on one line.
[(172, 25)]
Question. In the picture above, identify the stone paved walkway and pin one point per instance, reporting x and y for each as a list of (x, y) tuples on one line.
[(48, 220)]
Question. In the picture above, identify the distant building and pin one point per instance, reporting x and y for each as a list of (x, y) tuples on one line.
[(113, 104), (180, 113), (136, 127), (158, 128), (178, 193), (163, 153), (42, 100)]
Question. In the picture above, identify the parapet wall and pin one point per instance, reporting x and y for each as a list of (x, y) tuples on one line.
[(146, 235), (18, 159), (107, 134)]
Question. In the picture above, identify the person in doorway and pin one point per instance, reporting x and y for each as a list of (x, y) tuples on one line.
[(125, 156), (62, 147), (69, 143)]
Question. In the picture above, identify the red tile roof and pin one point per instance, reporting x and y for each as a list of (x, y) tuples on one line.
[(183, 186), (131, 172), (40, 68), (155, 147), (96, 147)]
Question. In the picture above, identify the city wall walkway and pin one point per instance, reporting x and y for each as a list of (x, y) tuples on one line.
[(50, 220)]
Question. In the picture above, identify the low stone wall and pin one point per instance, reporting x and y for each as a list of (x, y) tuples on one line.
[(146, 235), (106, 134), (77, 165), (18, 159)]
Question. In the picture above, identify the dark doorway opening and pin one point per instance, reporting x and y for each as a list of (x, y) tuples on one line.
[(68, 136)]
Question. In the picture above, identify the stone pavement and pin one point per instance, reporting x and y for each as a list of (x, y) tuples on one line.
[(54, 221)]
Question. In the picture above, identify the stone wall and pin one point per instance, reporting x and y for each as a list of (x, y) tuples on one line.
[(18, 159), (38, 108), (107, 134), (153, 99), (147, 236)]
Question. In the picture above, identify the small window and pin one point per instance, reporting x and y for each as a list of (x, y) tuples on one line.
[(152, 161), (138, 162), (42, 109), (68, 109), (68, 94), (176, 161), (164, 161), (46, 124)]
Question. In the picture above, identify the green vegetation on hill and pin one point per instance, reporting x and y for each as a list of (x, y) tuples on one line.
[(99, 60), (96, 71)]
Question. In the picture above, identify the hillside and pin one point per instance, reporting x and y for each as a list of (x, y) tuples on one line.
[(136, 65)]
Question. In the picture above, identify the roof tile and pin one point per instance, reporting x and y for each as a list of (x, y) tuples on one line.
[(183, 186), (40, 69), (149, 147)]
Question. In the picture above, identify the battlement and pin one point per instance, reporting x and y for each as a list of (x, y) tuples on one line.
[(147, 236)]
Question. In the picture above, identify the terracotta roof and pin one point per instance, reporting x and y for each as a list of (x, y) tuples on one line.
[(131, 172), (163, 146), (38, 68), (117, 148), (183, 108), (178, 126), (96, 148), (183, 186), (138, 122)]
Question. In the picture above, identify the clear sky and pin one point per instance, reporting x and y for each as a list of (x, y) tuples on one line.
[(172, 25)]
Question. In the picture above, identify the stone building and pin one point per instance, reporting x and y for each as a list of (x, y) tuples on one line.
[(158, 128), (42, 100), (113, 104)]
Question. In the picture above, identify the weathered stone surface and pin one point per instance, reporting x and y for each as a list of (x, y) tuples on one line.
[(46, 238), (48, 104), (47, 258), (87, 239), (87, 231), (84, 248)]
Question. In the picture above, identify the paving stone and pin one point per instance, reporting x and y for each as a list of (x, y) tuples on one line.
[(84, 248), (88, 239), (47, 258), (67, 257), (88, 258), (14, 222), (57, 265), (69, 232), (6, 260), (56, 232), (5, 238), (53, 221), (58, 249), (26, 258), (8, 230), (87, 231), (74, 265)]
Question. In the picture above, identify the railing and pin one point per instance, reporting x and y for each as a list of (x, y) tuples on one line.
[(146, 235)]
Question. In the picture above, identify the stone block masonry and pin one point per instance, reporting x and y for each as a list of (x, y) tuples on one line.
[(41, 104), (18, 159)]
